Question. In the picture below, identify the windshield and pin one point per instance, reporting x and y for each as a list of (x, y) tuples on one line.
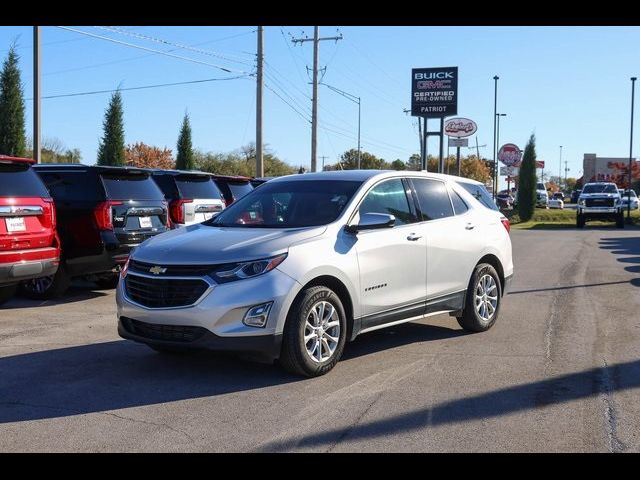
[(540, 186), (289, 204), (600, 188)]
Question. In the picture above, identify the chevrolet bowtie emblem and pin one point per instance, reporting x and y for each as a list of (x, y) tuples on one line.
[(157, 270)]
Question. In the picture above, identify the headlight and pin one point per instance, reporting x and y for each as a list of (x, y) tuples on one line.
[(582, 202), (240, 271)]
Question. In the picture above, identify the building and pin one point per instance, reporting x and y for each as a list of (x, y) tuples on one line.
[(602, 169)]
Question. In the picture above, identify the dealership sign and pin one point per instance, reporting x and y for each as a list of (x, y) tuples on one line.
[(509, 171), (434, 92), (509, 154), (460, 127), (458, 142)]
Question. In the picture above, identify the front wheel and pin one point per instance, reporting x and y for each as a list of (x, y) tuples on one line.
[(482, 303), (580, 221), (620, 220), (315, 333)]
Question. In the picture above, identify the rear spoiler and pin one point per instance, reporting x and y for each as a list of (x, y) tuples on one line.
[(8, 159)]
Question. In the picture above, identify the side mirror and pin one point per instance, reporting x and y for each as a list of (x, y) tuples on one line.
[(372, 221)]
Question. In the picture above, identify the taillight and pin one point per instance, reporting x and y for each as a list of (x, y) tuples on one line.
[(52, 211), (176, 210), (506, 224), (104, 215)]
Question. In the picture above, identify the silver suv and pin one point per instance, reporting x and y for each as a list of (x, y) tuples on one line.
[(306, 263)]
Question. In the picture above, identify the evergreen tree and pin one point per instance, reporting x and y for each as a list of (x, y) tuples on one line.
[(111, 149), (185, 159), (12, 133), (527, 181)]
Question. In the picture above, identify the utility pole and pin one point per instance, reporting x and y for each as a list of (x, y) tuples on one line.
[(323, 157), (560, 169), (314, 100), (495, 116), (36, 95), (259, 82), (633, 89)]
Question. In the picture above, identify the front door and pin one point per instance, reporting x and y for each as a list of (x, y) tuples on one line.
[(392, 261)]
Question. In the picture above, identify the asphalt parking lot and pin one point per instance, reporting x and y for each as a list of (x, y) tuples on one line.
[(559, 372)]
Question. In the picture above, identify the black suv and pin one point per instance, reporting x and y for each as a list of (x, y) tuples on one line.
[(192, 196), (102, 213)]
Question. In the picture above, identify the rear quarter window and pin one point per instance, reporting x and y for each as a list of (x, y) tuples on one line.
[(131, 187), (239, 190), (481, 194), (20, 180)]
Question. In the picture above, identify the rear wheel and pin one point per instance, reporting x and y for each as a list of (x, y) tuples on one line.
[(315, 333), (6, 293), (45, 288), (482, 303)]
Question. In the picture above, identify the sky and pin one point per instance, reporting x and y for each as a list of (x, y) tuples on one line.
[(568, 85)]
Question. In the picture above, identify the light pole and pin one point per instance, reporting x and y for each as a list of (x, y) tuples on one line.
[(560, 168), (354, 99), (498, 115), (633, 85), (495, 115)]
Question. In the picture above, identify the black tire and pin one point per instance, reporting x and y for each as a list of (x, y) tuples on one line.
[(45, 288), (620, 220), (580, 221), (108, 282), (170, 350), (470, 319), (294, 356), (6, 293)]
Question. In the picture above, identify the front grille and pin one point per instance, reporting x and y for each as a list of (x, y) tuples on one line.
[(172, 333), (164, 292), (600, 202), (174, 270)]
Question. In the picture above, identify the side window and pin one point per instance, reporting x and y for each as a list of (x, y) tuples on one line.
[(389, 197), (458, 204), (433, 198)]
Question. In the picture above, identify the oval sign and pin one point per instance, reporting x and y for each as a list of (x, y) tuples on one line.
[(509, 154), (460, 127)]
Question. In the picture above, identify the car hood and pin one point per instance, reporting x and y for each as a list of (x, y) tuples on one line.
[(201, 244)]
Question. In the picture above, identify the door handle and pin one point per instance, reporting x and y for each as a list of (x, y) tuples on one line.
[(413, 237), (469, 226)]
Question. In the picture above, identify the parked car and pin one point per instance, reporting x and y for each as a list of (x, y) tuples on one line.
[(29, 245), (557, 200), (504, 200), (192, 196), (542, 196), (600, 201), (575, 195), (103, 212), (305, 263), (629, 196), (232, 187)]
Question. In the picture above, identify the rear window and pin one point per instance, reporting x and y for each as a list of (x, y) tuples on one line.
[(72, 186), (131, 187), (239, 190), (480, 193), (197, 187), (19, 180)]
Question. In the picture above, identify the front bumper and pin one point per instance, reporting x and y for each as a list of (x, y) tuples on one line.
[(11, 273), (220, 311), (596, 210)]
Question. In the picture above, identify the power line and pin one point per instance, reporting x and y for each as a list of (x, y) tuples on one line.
[(283, 90), (95, 92), (290, 106), (291, 53), (166, 42), (224, 69)]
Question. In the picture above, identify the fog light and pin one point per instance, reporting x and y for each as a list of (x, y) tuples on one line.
[(257, 315)]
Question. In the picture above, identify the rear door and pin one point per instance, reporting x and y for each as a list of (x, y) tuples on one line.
[(201, 198), (138, 207), (27, 213)]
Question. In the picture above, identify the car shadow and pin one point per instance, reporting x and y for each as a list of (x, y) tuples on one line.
[(78, 292), (123, 374), (625, 246)]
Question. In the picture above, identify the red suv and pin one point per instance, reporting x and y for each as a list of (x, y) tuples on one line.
[(29, 245)]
